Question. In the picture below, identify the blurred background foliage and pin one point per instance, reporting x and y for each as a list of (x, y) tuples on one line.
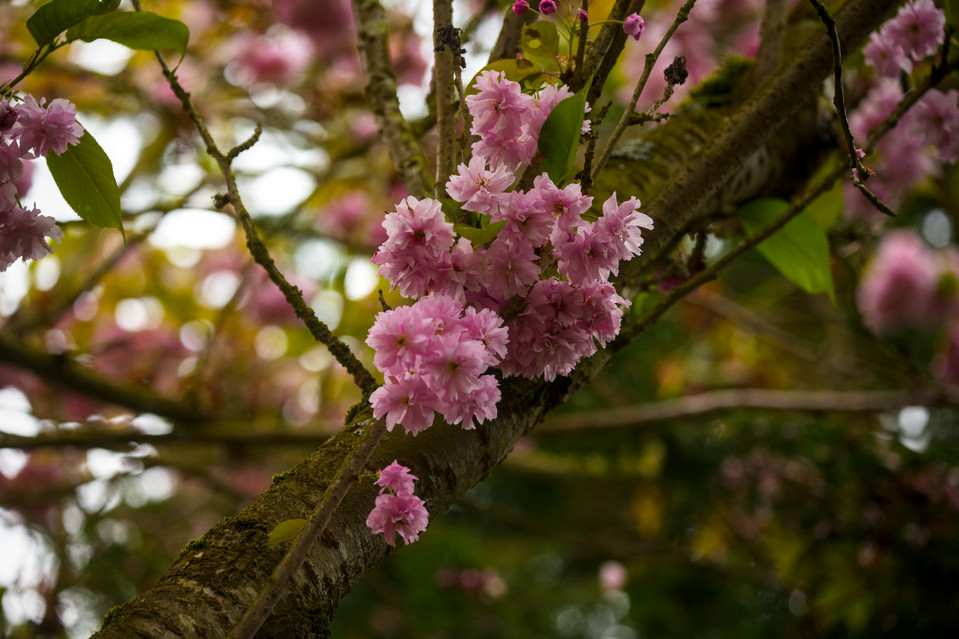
[(733, 524)]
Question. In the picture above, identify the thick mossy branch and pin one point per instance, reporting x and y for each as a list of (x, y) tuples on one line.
[(210, 586)]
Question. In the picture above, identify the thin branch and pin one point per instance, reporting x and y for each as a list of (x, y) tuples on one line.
[(681, 16), (67, 373), (381, 91), (604, 51), (446, 55), (838, 99), (89, 438), (273, 588), (822, 401), (320, 331)]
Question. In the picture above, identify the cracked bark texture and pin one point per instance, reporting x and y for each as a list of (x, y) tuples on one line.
[(216, 577)]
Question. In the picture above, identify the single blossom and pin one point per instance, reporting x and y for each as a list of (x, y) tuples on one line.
[(634, 26), (404, 514), (397, 478), (44, 129)]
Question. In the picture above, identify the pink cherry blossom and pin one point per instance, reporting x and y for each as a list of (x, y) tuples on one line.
[(404, 514), (885, 55), (478, 187), (44, 129), (396, 478), (918, 28), (935, 120), (23, 232), (899, 288), (408, 401)]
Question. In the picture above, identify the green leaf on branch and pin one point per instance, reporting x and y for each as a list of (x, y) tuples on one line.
[(57, 16), (479, 237), (799, 250), (540, 43), (84, 175), (136, 30), (286, 531), (520, 70), (559, 137)]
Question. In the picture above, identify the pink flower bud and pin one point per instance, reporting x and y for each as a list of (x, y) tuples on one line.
[(520, 7), (582, 16), (634, 26), (547, 7)]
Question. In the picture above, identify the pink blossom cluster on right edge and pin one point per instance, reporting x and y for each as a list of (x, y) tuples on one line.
[(29, 130), (909, 285), (903, 157)]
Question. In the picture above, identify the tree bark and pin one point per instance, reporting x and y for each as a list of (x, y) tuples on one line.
[(216, 577)]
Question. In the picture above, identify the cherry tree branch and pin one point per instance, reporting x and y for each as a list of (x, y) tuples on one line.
[(216, 578), (445, 55), (381, 91), (813, 401), (66, 372)]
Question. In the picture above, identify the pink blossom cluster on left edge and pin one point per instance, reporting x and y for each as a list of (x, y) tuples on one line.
[(29, 130), (397, 509)]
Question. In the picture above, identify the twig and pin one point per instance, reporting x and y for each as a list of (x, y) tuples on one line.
[(681, 16), (381, 91), (838, 99), (605, 49), (320, 331), (92, 438), (819, 401), (273, 589), (446, 53)]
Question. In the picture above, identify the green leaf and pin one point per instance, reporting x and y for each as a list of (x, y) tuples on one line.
[(800, 250), (57, 16), (540, 43), (136, 30), (285, 531), (84, 175), (559, 137), (479, 236), (519, 70)]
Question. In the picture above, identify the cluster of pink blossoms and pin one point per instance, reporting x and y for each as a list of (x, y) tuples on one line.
[(397, 509), (29, 130), (547, 263), (903, 154), (915, 33), (909, 285)]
